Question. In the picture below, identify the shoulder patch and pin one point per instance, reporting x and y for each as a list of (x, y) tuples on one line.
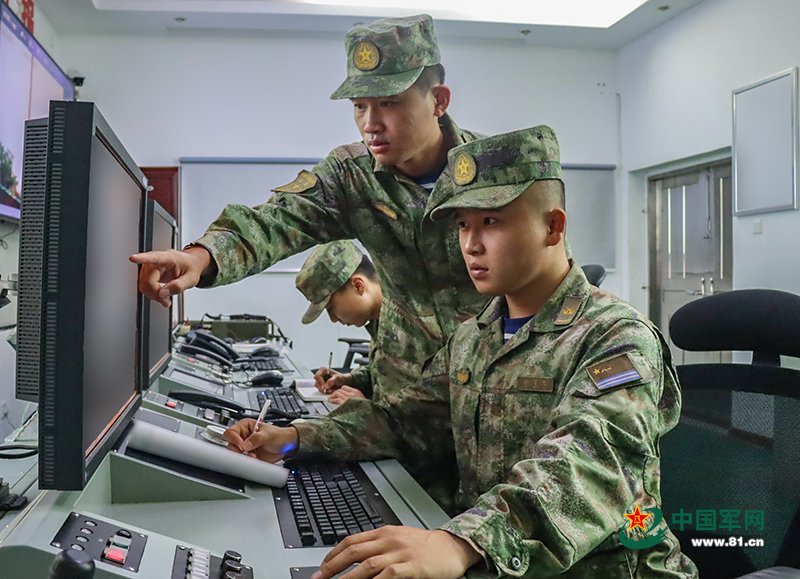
[(463, 376), (569, 309), (305, 180), (613, 372)]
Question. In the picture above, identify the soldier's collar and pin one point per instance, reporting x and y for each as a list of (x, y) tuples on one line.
[(491, 312), (566, 304), (452, 134), (559, 311)]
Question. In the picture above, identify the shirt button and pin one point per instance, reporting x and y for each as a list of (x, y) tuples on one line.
[(516, 564)]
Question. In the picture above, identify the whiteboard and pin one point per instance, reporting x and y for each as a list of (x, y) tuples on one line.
[(206, 187), (765, 145)]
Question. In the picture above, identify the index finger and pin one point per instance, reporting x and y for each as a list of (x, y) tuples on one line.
[(155, 257)]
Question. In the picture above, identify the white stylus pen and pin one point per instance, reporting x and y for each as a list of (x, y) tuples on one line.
[(262, 414), (260, 419)]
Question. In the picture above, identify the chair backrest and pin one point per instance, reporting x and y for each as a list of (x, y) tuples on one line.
[(595, 273), (750, 463)]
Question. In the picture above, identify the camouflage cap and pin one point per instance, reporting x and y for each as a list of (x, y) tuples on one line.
[(326, 270), (492, 172), (387, 56)]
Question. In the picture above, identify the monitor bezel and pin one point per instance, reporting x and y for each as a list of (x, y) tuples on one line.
[(71, 465), (151, 374)]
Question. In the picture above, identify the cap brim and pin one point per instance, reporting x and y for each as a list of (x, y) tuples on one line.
[(480, 198), (314, 310), (376, 85)]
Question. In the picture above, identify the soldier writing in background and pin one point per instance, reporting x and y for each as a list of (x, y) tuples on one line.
[(338, 278)]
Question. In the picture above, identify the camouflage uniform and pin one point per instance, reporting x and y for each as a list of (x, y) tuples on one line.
[(362, 375), (427, 291), (328, 269), (556, 432)]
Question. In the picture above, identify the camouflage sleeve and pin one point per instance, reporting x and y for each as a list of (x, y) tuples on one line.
[(598, 456), (309, 211), (390, 428), (362, 379)]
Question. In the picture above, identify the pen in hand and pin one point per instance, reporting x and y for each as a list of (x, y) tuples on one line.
[(260, 419), (330, 370)]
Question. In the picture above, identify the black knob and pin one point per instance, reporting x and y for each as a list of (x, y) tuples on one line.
[(231, 556), (231, 565), (72, 564)]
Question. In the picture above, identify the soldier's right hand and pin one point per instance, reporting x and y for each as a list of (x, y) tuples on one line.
[(327, 380), (168, 273), (269, 443)]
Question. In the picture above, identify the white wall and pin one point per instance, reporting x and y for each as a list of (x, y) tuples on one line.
[(676, 85), (267, 95)]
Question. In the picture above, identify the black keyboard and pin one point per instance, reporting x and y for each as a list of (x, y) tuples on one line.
[(284, 399), (261, 364), (322, 503)]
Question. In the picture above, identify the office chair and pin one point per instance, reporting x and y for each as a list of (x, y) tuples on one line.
[(595, 273), (750, 463), (356, 346)]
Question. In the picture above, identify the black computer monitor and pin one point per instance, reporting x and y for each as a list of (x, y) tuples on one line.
[(79, 309), (160, 235)]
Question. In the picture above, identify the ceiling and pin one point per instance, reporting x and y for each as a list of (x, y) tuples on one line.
[(232, 17)]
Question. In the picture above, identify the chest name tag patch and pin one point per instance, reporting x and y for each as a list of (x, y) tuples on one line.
[(305, 180), (385, 209), (569, 309), (528, 384), (613, 372), (462, 376)]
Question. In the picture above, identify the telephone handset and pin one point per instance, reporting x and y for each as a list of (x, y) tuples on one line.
[(207, 340), (201, 353), (207, 400)]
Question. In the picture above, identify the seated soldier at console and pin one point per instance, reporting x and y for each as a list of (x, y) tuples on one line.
[(555, 397), (338, 278)]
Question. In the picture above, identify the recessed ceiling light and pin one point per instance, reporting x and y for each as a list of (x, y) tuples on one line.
[(584, 13)]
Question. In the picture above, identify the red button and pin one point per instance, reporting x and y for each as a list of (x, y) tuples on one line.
[(114, 555), (171, 404)]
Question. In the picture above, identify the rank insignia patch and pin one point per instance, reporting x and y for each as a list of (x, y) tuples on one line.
[(464, 168), (462, 376), (569, 309), (385, 209), (305, 180), (613, 372), (366, 56), (529, 384)]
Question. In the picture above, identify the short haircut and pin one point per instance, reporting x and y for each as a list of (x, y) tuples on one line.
[(367, 269), (431, 76), (553, 190)]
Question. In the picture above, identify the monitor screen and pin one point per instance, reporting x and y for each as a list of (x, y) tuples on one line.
[(80, 343), (29, 80), (110, 332), (161, 233)]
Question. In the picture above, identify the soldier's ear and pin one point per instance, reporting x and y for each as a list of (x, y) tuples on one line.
[(556, 226), (441, 94), (358, 284)]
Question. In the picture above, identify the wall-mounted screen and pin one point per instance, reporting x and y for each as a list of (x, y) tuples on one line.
[(29, 80)]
